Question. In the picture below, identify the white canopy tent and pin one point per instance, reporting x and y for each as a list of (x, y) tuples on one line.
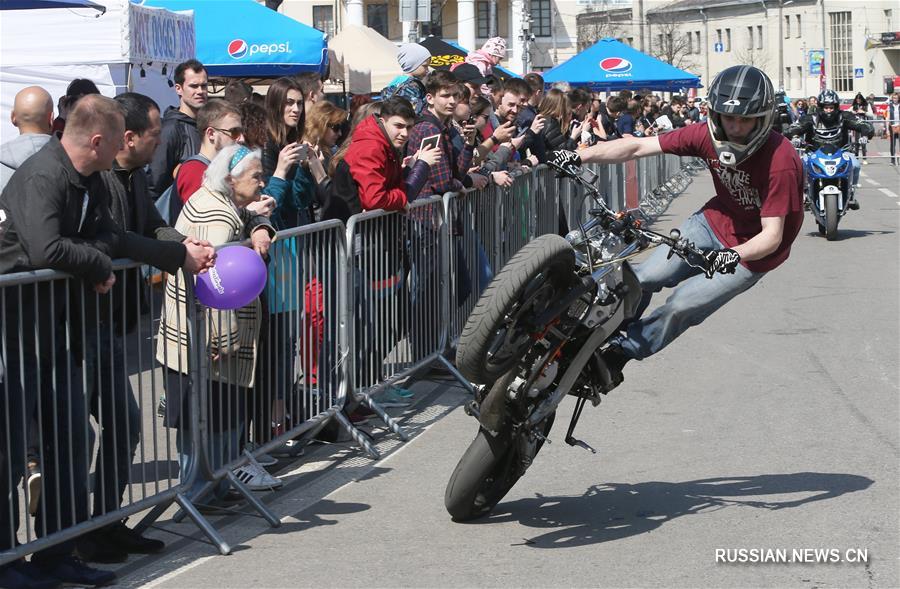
[(52, 47), (363, 59)]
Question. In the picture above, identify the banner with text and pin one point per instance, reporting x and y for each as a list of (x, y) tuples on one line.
[(159, 35)]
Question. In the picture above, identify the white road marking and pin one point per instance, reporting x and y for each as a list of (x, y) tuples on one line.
[(872, 182), (890, 193)]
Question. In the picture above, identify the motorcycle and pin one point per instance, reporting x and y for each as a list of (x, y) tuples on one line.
[(535, 337), (829, 184)]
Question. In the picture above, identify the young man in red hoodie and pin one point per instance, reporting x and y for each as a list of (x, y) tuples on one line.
[(375, 160)]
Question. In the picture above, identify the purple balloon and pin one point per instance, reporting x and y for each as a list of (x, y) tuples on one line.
[(236, 280)]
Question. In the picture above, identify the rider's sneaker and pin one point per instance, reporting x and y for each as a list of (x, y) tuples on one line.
[(853, 204), (615, 360)]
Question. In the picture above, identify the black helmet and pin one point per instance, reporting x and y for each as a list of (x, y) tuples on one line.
[(743, 91), (829, 97)]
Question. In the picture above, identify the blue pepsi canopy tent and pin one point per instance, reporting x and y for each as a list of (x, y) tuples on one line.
[(241, 38), (611, 65)]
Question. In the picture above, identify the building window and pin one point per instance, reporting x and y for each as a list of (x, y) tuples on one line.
[(787, 27), (377, 18), (690, 43), (799, 30), (727, 39), (323, 18), (759, 37), (436, 26), (483, 19), (787, 77), (718, 36), (750, 38), (889, 17), (659, 41), (697, 45), (630, 41), (540, 18), (841, 51), (799, 70)]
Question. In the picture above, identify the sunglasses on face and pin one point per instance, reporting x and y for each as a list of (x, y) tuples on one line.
[(234, 132)]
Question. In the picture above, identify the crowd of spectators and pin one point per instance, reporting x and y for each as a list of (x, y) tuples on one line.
[(121, 178)]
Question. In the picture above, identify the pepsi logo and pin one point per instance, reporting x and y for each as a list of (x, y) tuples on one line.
[(238, 48), (615, 65)]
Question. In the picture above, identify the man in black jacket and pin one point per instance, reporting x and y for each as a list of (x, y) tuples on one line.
[(180, 138), (144, 237), (54, 214)]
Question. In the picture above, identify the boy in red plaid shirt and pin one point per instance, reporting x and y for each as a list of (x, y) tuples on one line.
[(451, 172)]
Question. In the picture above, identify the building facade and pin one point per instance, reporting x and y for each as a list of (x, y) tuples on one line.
[(800, 44), (550, 24)]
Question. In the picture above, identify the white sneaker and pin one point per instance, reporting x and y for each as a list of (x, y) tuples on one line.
[(263, 459), (255, 477)]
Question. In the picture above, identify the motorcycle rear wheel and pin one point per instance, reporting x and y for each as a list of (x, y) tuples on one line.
[(498, 333), (487, 471), (831, 217)]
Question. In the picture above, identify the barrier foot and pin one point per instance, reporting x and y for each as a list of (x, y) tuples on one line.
[(188, 508), (197, 497), (359, 437), (456, 374), (150, 519), (383, 416), (264, 511)]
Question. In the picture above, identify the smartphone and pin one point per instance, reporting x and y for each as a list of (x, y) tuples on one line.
[(303, 152), (429, 142), (470, 121)]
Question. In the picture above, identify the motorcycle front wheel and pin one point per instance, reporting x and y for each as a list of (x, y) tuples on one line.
[(499, 330), (831, 217), (488, 469)]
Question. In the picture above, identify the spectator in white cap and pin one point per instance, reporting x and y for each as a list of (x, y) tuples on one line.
[(491, 53), (413, 59)]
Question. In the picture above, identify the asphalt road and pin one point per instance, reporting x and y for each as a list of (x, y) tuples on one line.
[(774, 426)]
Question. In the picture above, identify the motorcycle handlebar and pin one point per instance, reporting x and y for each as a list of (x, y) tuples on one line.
[(630, 228)]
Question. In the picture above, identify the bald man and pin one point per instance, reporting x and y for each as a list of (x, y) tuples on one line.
[(32, 114)]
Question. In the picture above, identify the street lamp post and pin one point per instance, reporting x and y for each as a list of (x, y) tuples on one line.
[(780, 44)]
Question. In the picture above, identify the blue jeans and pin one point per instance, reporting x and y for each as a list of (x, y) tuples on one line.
[(856, 166), (694, 299)]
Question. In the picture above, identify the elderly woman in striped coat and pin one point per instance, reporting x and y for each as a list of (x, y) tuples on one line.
[(216, 212)]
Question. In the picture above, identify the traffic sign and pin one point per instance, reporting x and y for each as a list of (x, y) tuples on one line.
[(719, 47), (858, 72)]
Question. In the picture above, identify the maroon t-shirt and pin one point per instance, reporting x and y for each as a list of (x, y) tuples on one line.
[(767, 184)]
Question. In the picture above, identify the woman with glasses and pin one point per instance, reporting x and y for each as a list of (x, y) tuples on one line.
[(218, 213), (325, 127)]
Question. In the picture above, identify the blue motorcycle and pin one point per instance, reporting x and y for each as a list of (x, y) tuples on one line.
[(829, 185)]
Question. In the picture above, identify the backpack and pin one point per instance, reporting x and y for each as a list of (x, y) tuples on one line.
[(169, 202)]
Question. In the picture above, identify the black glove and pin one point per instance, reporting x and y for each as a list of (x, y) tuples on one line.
[(721, 261), (565, 162)]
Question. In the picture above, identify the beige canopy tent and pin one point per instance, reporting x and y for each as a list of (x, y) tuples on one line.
[(363, 59)]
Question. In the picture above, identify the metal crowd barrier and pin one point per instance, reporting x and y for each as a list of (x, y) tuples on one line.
[(82, 445), (347, 312)]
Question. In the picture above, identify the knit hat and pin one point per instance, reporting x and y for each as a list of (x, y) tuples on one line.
[(411, 56), (495, 46)]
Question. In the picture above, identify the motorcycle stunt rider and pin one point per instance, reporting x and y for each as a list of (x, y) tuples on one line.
[(747, 228), (828, 125)]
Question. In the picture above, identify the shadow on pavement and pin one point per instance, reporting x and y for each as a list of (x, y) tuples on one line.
[(844, 234), (612, 511)]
